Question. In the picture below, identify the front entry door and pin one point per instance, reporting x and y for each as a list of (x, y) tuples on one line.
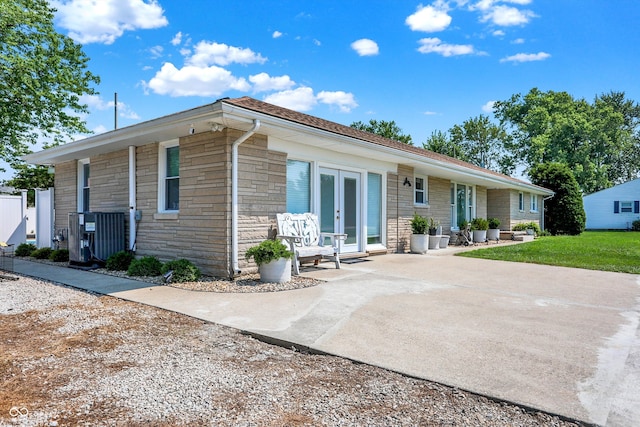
[(340, 206)]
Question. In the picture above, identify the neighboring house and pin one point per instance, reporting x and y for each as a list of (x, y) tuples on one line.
[(614, 208), (208, 182)]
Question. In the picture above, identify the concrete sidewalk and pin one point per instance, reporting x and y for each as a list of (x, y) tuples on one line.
[(562, 340)]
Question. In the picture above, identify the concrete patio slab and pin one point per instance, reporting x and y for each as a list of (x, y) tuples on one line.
[(562, 340)]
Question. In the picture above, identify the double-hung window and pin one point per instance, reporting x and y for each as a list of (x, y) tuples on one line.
[(534, 202), (421, 191), (298, 186), (84, 185), (521, 201), (169, 177)]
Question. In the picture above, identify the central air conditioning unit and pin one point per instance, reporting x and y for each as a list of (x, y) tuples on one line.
[(95, 236)]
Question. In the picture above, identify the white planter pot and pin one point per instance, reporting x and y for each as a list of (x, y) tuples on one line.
[(493, 234), (419, 243), (444, 241), (479, 236), (278, 271), (434, 242)]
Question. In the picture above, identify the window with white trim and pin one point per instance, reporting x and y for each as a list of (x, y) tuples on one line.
[(534, 202), (521, 201), (169, 176), (84, 185), (421, 191), (298, 186)]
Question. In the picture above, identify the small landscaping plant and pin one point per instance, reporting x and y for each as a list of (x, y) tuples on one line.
[(494, 223), (433, 226), (183, 271), (479, 224), (42, 253), (145, 266), (419, 224), (267, 251), (59, 255), (119, 261), (25, 249), (635, 225), (523, 226)]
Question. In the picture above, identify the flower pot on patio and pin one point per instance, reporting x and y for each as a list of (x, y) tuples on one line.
[(419, 243), (278, 271), (444, 241), (493, 234), (434, 241)]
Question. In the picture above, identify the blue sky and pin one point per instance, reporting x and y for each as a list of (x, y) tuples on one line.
[(425, 65)]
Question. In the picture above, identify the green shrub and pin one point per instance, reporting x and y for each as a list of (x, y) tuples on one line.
[(42, 253), (479, 224), (25, 249), (120, 261), (269, 250), (419, 224), (527, 225), (635, 225), (183, 271), (145, 266), (59, 255), (494, 223)]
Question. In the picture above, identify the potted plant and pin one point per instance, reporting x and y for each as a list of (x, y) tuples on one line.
[(479, 227), (493, 233), (274, 260), (419, 242), (434, 236)]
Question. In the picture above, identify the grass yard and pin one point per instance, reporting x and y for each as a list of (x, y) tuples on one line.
[(593, 250)]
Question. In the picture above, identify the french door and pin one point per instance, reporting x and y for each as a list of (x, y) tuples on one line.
[(340, 206)]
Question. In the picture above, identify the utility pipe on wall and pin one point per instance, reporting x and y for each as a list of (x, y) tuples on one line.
[(234, 194), (132, 198)]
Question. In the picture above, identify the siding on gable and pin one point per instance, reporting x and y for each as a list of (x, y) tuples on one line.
[(600, 207)]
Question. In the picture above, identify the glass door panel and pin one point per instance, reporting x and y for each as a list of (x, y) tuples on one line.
[(340, 206)]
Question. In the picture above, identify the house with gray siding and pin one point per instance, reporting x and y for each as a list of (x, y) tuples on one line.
[(206, 184)]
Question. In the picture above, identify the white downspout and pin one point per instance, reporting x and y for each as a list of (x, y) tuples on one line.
[(132, 198), (234, 194)]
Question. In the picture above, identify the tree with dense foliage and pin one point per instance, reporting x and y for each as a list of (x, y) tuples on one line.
[(383, 128), (42, 76), (30, 178), (598, 141), (440, 142), (564, 212)]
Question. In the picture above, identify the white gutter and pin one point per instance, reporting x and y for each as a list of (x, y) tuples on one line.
[(234, 194), (132, 199)]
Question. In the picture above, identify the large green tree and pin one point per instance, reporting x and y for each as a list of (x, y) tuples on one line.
[(564, 212), (588, 138), (42, 76), (384, 128), (30, 178), (441, 142)]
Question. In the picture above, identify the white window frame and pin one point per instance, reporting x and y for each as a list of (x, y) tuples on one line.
[(425, 190), (162, 174), (80, 185), (533, 202), (520, 201)]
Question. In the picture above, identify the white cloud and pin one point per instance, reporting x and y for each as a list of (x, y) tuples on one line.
[(96, 102), (156, 51), (177, 39), (103, 21), (100, 129), (317, 42), (365, 47), (435, 45), (526, 57), (276, 34), (195, 81), (429, 18), (300, 99), (429, 113), (345, 101), (499, 33), (488, 107), (507, 16), (207, 53), (263, 82), (518, 41)]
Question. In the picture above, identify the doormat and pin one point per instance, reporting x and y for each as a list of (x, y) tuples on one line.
[(353, 260)]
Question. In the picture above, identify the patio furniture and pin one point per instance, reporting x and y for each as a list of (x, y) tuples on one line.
[(301, 232)]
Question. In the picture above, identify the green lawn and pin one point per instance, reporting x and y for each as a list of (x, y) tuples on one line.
[(593, 250)]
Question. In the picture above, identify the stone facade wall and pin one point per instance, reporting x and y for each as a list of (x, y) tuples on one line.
[(440, 202), (481, 202), (504, 205), (392, 243), (65, 195)]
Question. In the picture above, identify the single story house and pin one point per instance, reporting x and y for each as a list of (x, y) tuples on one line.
[(205, 184), (613, 208)]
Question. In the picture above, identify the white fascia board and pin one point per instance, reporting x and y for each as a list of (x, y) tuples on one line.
[(166, 127), (234, 113)]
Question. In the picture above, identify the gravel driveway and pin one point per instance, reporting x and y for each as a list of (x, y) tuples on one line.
[(72, 358)]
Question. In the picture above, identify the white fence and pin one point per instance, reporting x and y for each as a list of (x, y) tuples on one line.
[(13, 218)]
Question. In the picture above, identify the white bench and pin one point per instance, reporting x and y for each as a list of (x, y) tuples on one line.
[(301, 232)]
